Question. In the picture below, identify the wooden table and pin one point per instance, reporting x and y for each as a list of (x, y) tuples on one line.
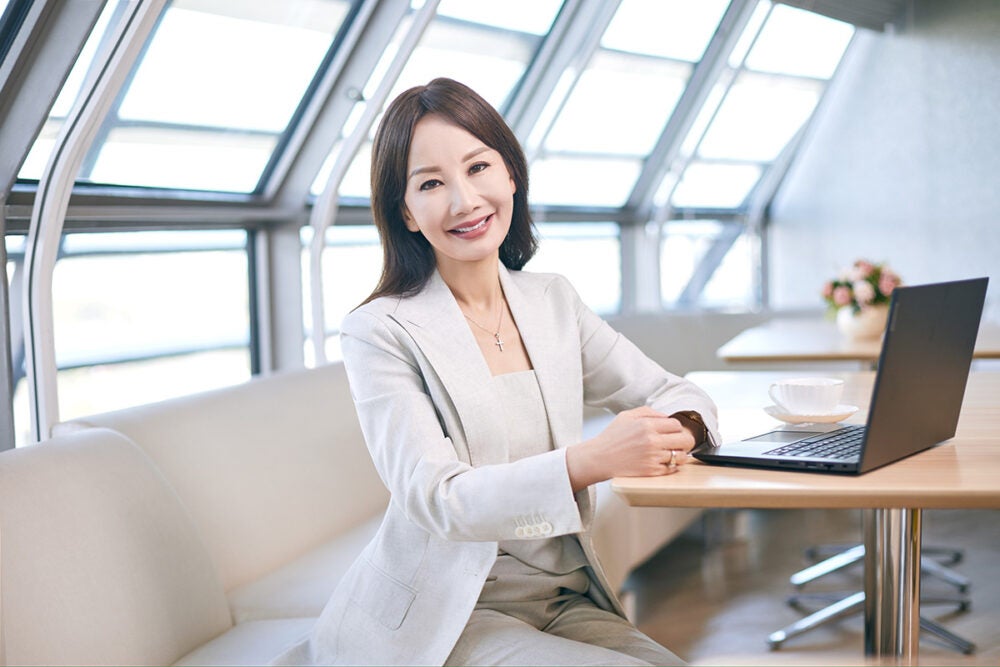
[(817, 339), (963, 472)]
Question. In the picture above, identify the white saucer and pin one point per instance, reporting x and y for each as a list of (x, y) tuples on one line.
[(840, 413)]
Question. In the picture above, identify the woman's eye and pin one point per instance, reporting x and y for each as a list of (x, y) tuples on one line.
[(478, 167), (427, 185)]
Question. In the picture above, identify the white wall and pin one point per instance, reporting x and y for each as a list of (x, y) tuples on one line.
[(903, 162)]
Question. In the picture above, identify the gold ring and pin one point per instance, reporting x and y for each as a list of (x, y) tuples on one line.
[(673, 454)]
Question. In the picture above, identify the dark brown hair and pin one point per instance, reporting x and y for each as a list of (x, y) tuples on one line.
[(408, 258)]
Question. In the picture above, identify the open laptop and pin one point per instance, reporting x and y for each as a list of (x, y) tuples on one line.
[(922, 372)]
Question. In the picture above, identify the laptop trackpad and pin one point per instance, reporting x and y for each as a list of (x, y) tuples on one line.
[(759, 444), (782, 437)]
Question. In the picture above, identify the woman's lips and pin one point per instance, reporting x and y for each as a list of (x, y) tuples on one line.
[(473, 230)]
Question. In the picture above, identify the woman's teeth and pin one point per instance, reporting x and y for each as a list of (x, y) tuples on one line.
[(471, 228)]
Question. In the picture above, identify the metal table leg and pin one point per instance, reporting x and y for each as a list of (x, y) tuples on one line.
[(892, 583)]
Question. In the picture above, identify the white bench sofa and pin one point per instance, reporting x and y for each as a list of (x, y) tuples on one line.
[(209, 529)]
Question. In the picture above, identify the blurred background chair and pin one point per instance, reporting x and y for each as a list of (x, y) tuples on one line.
[(832, 558)]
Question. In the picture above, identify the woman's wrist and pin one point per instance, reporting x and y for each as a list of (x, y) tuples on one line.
[(582, 466)]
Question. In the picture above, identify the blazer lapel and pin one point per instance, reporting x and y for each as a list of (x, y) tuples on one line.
[(432, 317), (556, 360)]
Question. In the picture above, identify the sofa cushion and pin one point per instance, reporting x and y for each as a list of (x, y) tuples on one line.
[(268, 469), (251, 643), (302, 587), (100, 562)]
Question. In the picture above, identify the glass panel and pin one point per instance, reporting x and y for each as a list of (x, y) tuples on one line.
[(209, 101), (177, 306), (38, 156), (589, 255), (469, 41), (583, 181), (682, 249), (711, 185), (798, 42), (352, 264), (732, 284), (759, 116), (679, 29), (175, 158), (619, 106)]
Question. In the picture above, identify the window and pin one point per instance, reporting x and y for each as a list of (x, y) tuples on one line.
[(144, 316), (706, 264), (588, 254), (615, 112), (352, 264), (212, 96)]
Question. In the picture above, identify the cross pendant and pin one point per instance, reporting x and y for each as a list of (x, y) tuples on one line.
[(499, 342)]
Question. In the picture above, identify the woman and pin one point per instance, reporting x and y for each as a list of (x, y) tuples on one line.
[(470, 378)]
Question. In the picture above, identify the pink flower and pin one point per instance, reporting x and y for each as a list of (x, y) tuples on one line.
[(888, 282), (861, 270), (828, 289), (864, 292), (842, 296)]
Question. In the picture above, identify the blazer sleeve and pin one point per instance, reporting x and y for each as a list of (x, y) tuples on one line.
[(617, 375), (416, 459)]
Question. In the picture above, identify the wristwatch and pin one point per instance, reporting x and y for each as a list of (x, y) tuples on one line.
[(693, 416)]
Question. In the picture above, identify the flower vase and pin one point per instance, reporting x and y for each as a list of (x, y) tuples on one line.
[(864, 324)]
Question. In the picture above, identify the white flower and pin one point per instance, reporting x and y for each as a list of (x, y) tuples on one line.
[(864, 292)]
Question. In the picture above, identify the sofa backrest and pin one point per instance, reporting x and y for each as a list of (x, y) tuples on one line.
[(99, 561), (268, 469)]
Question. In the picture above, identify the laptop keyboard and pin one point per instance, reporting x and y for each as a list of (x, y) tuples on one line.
[(843, 445)]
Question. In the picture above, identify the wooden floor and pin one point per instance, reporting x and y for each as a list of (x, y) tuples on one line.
[(716, 593)]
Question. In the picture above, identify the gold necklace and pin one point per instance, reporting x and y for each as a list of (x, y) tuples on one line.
[(495, 334)]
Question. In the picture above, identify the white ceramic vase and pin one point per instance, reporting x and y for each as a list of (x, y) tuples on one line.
[(866, 323)]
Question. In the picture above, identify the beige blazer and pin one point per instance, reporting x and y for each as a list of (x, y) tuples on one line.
[(433, 423)]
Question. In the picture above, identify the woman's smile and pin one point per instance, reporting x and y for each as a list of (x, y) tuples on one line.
[(473, 230)]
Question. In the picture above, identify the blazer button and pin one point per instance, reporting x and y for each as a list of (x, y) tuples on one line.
[(546, 528), (519, 532)]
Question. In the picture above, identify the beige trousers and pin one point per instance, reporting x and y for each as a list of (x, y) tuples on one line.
[(529, 617)]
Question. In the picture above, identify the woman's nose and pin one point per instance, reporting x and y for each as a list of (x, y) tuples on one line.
[(463, 197)]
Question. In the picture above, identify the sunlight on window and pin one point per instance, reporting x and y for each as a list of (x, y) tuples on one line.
[(677, 29), (352, 263), (583, 181), (798, 42), (588, 254)]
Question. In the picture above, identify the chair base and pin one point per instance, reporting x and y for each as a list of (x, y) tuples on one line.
[(933, 562), (853, 603)]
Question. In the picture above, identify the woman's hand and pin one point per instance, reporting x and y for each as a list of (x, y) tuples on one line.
[(637, 443)]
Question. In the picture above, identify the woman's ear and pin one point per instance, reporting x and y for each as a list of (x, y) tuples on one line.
[(408, 219)]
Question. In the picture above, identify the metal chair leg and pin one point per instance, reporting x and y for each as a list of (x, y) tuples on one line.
[(832, 564), (844, 605), (949, 637), (851, 604), (929, 565)]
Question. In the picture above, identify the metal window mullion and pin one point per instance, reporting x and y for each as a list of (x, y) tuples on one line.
[(32, 73), (709, 264), (52, 201), (578, 45), (330, 105), (569, 42), (705, 75), (324, 212), (7, 343)]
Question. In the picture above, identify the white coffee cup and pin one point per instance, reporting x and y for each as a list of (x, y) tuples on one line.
[(807, 396)]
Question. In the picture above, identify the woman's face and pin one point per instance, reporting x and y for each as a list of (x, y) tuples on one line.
[(459, 194)]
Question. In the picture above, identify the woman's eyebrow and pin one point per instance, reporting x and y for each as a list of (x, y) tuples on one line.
[(465, 158)]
